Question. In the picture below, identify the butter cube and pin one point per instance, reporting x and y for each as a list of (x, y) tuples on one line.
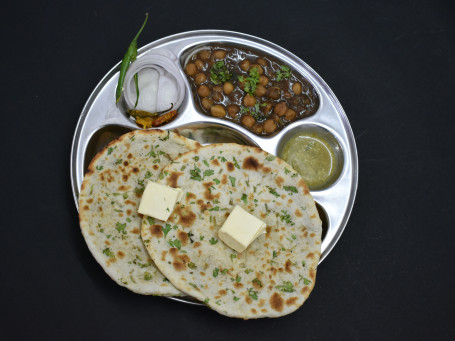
[(240, 229), (158, 200)]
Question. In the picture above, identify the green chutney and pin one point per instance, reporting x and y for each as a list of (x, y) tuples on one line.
[(311, 156)]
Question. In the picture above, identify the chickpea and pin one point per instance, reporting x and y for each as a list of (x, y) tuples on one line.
[(207, 103), (228, 87), (203, 91), (233, 110), (263, 80), (287, 94), (217, 93), (261, 61), (297, 88), (260, 90), (242, 85), (205, 54), (217, 111), (274, 92), (266, 108), (248, 121), (258, 67), (276, 118), (245, 64), (290, 114), (200, 78), (257, 128), (219, 54), (191, 69), (199, 64), (269, 126), (249, 100), (280, 109)]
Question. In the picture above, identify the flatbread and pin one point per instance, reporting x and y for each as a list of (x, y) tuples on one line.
[(276, 273), (108, 202)]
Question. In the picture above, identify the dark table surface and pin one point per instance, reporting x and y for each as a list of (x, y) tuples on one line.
[(391, 65)]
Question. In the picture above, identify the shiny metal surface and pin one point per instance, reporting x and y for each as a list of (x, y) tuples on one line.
[(100, 114)]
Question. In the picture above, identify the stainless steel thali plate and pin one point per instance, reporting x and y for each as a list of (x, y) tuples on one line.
[(102, 121)]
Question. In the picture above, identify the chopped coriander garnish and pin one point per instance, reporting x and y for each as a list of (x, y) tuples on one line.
[(175, 243), (195, 174), (272, 191), (120, 228), (107, 251), (208, 172), (257, 281), (275, 254), (216, 208), (238, 279), (99, 168), (251, 81), (232, 179), (213, 241), (110, 150), (151, 220), (247, 271), (284, 73), (118, 161), (215, 272), (253, 293), (166, 230), (233, 255), (286, 217), (270, 158), (285, 287), (236, 163), (235, 298), (244, 198), (147, 276), (291, 189), (219, 73), (216, 181), (191, 265)]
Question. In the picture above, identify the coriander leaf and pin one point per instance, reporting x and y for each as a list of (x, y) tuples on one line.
[(285, 287), (107, 251), (291, 189), (120, 228), (244, 198), (272, 191), (166, 230), (257, 281), (213, 241), (253, 293)]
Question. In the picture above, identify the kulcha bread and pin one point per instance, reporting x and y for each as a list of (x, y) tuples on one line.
[(108, 202), (276, 273)]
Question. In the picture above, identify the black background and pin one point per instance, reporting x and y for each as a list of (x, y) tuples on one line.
[(391, 65)]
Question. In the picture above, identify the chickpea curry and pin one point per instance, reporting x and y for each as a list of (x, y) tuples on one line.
[(250, 88)]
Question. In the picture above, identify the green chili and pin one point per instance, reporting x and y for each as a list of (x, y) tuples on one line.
[(128, 58)]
